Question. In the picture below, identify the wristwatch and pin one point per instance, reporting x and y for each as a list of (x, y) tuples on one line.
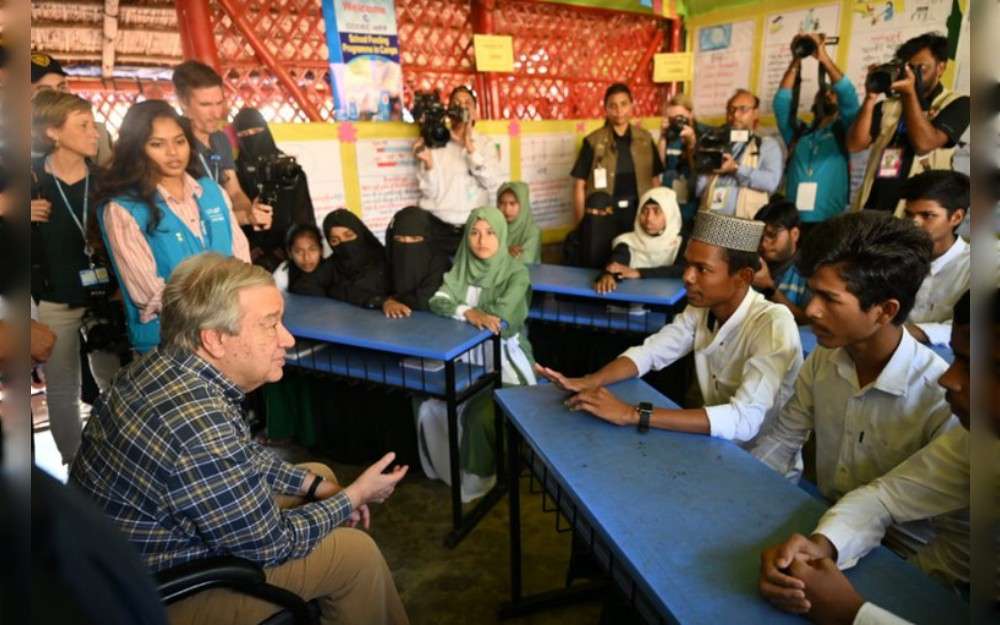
[(645, 410), (311, 493)]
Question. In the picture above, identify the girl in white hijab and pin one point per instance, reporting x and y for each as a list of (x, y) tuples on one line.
[(652, 247)]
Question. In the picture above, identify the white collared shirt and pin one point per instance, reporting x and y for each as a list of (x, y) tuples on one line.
[(861, 433), (746, 368), (459, 182), (931, 483), (941, 289)]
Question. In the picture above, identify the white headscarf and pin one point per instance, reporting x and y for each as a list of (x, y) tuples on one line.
[(645, 250)]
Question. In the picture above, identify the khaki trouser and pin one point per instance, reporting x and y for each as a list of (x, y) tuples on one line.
[(345, 571)]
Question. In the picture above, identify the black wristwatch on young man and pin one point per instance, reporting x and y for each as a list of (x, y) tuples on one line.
[(645, 410)]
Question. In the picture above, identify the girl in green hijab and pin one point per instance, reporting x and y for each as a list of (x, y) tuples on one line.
[(524, 238), (485, 287)]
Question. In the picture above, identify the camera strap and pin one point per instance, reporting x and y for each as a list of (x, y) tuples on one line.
[(89, 251)]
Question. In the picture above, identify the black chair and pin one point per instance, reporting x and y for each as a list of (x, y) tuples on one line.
[(239, 575)]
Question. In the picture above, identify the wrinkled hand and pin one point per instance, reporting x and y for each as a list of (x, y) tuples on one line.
[(423, 154), (832, 598), (261, 215), (907, 85), (623, 270), (394, 309), (483, 321), (571, 385), (781, 589), (361, 515), (729, 165), (41, 209), (605, 284), (373, 485), (762, 279), (602, 403), (42, 340)]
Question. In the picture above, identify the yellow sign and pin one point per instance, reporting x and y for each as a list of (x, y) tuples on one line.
[(672, 67), (494, 53)]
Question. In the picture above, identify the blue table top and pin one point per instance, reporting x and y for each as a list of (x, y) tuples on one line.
[(809, 343), (422, 334), (579, 281), (689, 515)]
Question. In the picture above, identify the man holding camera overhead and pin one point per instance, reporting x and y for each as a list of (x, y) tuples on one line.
[(750, 168), (817, 177), (459, 176), (915, 129)]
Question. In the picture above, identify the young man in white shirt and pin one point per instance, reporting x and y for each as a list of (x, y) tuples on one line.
[(746, 350), (869, 390), (802, 575), (937, 201)]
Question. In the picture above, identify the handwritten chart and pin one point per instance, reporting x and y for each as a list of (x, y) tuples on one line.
[(387, 172), (322, 164), (722, 62), (546, 161)]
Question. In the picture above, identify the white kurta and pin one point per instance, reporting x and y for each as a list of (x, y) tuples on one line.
[(459, 182), (944, 285), (746, 368), (931, 483), (861, 433), (871, 614)]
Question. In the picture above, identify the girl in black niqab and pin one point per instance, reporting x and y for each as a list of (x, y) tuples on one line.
[(417, 262)]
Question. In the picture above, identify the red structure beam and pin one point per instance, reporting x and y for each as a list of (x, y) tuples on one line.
[(194, 22), (286, 80), (486, 82)]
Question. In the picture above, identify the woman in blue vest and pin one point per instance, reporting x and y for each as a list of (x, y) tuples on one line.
[(156, 208)]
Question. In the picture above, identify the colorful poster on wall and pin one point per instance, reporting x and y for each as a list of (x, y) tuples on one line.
[(387, 173), (878, 28), (722, 62), (322, 164), (365, 73), (779, 31)]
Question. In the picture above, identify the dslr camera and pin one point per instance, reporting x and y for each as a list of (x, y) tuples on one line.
[(102, 327), (673, 130), (431, 114), (712, 145), (803, 46), (273, 172), (881, 77)]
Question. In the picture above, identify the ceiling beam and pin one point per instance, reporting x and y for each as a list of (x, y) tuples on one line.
[(110, 36)]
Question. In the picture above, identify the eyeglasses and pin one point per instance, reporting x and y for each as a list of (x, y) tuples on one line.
[(746, 108)]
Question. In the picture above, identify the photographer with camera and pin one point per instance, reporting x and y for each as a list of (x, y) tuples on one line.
[(457, 171), (817, 178), (275, 179), (916, 128), (738, 169), (66, 277), (678, 138)]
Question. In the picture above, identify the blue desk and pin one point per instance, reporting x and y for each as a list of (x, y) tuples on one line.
[(809, 343), (680, 520), (337, 338), (564, 294)]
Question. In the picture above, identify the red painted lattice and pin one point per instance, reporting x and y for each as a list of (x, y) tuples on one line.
[(112, 99)]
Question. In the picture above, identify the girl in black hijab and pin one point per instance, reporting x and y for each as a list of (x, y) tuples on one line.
[(359, 273), (417, 263), (292, 204)]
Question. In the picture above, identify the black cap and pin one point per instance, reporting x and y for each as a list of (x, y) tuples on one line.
[(42, 64)]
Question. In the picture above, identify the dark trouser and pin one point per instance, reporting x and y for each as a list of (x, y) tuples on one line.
[(448, 236)]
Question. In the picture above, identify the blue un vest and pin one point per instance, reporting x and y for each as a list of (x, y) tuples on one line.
[(171, 243)]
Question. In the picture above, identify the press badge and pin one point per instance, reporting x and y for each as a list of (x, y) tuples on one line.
[(94, 276), (892, 163), (600, 178), (623, 204), (680, 187), (718, 199), (805, 197), (739, 136)]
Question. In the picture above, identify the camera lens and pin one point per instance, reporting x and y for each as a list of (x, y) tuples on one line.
[(803, 47)]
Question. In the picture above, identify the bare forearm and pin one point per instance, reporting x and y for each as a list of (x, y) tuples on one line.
[(788, 80), (692, 421), (859, 135), (619, 369), (923, 136), (831, 69), (579, 198)]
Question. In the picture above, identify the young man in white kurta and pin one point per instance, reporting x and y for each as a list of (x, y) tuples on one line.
[(746, 364)]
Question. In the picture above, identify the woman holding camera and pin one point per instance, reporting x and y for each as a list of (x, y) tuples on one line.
[(264, 170), (156, 208), (678, 139), (64, 273)]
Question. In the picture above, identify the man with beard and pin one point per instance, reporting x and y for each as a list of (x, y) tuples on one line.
[(914, 130), (746, 349), (816, 177), (778, 278)]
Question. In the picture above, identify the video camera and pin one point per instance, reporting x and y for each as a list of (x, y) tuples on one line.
[(712, 145), (272, 172), (102, 327), (430, 113), (881, 77), (803, 46)]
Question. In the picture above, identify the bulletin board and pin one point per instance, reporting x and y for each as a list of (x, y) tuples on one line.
[(369, 167), (869, 32)]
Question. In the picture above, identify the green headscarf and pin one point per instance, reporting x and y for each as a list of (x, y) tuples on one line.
[(468, 269), (523, 231)]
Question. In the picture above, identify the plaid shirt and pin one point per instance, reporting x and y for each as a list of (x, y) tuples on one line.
[(167, 456)]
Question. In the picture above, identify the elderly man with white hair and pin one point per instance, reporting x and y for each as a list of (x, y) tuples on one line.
[(169, 458)]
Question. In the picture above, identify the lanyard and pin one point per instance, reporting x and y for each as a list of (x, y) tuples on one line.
[(69, 207), (213, 172)]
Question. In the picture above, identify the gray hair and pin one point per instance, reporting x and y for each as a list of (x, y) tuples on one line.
[(203, 293)]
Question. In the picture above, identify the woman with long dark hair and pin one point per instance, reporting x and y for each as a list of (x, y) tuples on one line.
[(156, 208)]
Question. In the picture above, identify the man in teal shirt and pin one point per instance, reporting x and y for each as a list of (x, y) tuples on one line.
[(817, 177)]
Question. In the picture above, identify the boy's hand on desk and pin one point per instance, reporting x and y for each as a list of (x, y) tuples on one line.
[(605, 284), (483, 321), (785, 591), (832, 598), (602, 403), (571, 385)]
